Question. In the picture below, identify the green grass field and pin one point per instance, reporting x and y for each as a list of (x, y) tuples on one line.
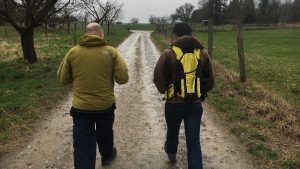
[(28, 91), (272, 58)]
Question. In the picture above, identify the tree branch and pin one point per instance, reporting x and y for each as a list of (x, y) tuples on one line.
[(18, 5), (42, 14), (59, 9), (8, 19), (91, 9)]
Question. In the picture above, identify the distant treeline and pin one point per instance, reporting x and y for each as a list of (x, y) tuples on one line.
[(254, 12)]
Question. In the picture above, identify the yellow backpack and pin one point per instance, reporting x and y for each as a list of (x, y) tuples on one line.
[(187, 84)]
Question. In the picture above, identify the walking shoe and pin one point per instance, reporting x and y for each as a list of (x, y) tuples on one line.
[(106, 162), (171, 156)]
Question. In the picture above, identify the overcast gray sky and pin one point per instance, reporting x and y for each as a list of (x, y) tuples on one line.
[(142, 9)]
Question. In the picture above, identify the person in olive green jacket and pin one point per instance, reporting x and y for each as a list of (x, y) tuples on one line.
[(93, 67)]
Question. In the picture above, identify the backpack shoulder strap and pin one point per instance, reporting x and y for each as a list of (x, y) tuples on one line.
[(178, 52), (197, 53), (168, 68)]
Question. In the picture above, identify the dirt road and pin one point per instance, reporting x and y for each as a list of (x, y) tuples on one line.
[(139, 126)]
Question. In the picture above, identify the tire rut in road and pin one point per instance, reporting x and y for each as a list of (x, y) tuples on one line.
[(139, 125)]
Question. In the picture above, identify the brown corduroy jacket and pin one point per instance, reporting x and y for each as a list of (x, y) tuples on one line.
[(163, 78)]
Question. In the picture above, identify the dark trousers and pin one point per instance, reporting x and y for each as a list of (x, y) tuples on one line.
[(89, 128), (191, 113)]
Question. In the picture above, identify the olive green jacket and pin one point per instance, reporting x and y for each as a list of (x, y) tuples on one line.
[(93, 67)]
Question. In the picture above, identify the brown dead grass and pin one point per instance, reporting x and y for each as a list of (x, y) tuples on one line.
[(9, 51), (283, 133), (265, 104)]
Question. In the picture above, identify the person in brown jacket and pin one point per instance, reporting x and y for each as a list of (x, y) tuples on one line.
[(177, 107)]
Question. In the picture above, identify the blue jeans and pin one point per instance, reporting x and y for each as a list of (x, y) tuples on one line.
[(191, 113), (89, 128)]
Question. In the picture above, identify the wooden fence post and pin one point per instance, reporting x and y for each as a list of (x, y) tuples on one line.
[(210, 37), (240, 43), (241, 53), (74, 38)]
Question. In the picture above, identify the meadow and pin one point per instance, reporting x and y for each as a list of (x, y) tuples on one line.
[(272, 58), (29, 91)]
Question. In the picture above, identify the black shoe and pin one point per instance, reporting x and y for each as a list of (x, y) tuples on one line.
[(171, 156), (107, 161)]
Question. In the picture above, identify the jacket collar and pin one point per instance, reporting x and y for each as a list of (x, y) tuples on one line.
[(187, 42), (92, 40)]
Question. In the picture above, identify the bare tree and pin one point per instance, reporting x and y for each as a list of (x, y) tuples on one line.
[(134, 20), (83, 17), (152, 19), (1, 22), (214, 9), (68, 16), (286, 14), (184, 12), (161, 24), (115, 13), (249, 11), (97, 9), (296, 10), (174, 18), (24, 16)]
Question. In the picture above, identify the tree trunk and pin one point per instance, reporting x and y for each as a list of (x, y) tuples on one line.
[(172, 35), (46, 29), (28, 45), (74, 39), (61, 27), (166, 31), (68, 27), (241, 52), (108, 28), (210, 37), (102, 22)]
